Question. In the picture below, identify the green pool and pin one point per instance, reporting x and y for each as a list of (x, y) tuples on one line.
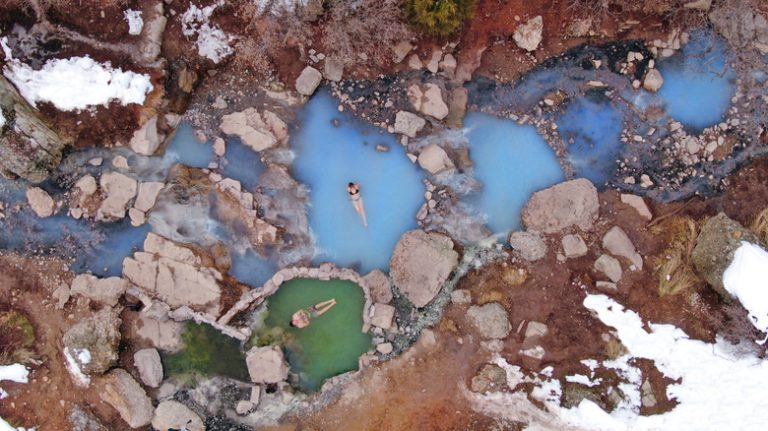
[(207, 352), (333, 342)]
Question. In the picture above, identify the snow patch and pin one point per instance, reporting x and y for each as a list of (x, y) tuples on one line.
[(745, 278), (135, 22), (84, 356), (3, 394), (16, 373), (74, 369), (582, 380), (5, 426), (2, 119), (75, 83), (212, 42), (718, 389), (279, 7)]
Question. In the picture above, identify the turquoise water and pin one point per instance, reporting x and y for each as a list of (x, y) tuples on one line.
[(594, 126), (242, 164), (187, 150), (698, 83), (512, 161), (251, 268), (327, 158), (333, 342)]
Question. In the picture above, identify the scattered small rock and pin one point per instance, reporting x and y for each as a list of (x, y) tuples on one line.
[(41, 202), (490, 320), (308, 81), (609, 266)]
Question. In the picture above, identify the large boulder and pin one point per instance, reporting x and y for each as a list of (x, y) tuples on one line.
[(434, 159), (175, 275), (618, 243), (717, 242), (104, 290), (266, 364), (147, 361), (560, 206), (92, 342), (379, 286), (119, 189), (428, 99), (653, 80), (421, 263), (123, 393), (743, 27), (530, 245), (490, 320), (29, 148), (408, 123), (146, 140), (257, 130), (308, 81), (175, 415), (528, 36), (41, 202)]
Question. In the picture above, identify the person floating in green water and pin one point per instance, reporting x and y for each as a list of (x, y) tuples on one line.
[(302, 317), (357, 201)]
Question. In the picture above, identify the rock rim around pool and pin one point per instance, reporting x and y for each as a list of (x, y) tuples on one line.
[(421, 263), (563, 205), (266, 364), (715, 246)]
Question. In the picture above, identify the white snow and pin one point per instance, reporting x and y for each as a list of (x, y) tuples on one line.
[(135, 22), (77, 83), (16, 373), (278, 7), (746, 278), (80, 378), (718, 391), (212, 42), (582, 380), (3, 394), (84, 356), (2, 119)]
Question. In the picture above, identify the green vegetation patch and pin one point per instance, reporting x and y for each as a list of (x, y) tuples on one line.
[(17, 338), (206, 352), (438, 17)]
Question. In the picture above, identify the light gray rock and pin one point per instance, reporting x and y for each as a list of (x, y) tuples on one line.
[(383, 315), (653, 80), (119, 190), (491, 378), (742, 27), (243, 407), (535, 330), (333, 69), (609, 266), (384, 348), (579, 27), (461, 296), (308, 81), (606, 286), (123, 393), (618, 243), (379, 286), (490, 320), (257, 130), (175, 415), (147, 196), (421, 263), (432, 102), (703, 5), (29, 148), (82, 419), (266, 364), (408, 124), (146, 140), (104, 290), (448, 65), (638, 203), (41, 202), (92, 342), (401, 50), (528, 36), (434, 159), (566, 204), (715, 246), (530, 245), (147, 361), (648, 399), (574, 246)]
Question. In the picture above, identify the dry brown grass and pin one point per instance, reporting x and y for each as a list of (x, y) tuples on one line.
[(760, 226), (674, 268)]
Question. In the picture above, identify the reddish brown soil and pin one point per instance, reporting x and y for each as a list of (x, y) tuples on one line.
[(101, 19), (45, 402)]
